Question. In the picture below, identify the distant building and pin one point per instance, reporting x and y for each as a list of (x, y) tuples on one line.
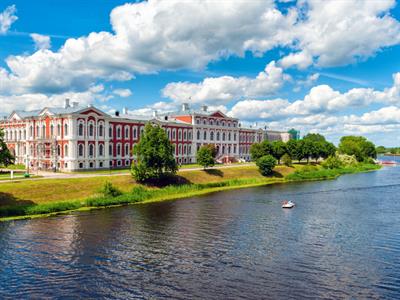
[(294, 134), (74, 137)]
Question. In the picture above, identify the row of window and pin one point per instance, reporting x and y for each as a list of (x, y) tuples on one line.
[(215, 122), (217, 136)]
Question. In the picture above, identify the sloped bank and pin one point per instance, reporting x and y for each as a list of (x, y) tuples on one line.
[(142, 194)]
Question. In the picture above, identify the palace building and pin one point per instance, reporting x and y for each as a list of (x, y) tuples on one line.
[(80, 138)]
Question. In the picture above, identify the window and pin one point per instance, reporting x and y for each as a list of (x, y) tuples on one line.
[(212, 135), (80, 150), (110, 131), (126, 150), (197, 121), (80, 129), (173, 134), (118, 149), (51, 130), (91, 129), (223, 136), (205, 135), (134, 132), (91, 165), (80, 165), (190, 135), (180, 149), (101, 150), (91, 150), (229, 136), (101, 130), (59, 150), (234, 136), (44, 131), (179, 134), (184, 135), (65, 150), (127, 163), (31, 131), (204, 122), (184, 150), (65, 129), (217, 136), (58, 129), (118, 132), (110, 150), (198, 134), (100, 164), (126, 132)]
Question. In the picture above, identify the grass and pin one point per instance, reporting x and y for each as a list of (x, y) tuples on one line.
[(30, 198)]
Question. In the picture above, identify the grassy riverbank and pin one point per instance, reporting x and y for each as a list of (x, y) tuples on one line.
[(44, 197)]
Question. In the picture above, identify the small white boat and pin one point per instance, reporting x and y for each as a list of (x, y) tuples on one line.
[(288, 204)]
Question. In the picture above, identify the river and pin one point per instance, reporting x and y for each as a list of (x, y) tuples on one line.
[(342, 240)]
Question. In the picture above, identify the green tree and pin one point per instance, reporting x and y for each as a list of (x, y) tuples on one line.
[(259, 150), (291, 147), (213, 149), (154, 153), (381, 150), (205, 157), (358, 146), (278, 150), (287, 160), (315, 137), (266, 164), (6, 157)]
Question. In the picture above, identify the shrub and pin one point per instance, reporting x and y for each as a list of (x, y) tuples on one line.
[(332, 162), (109, 190), (287, 160), (348, 160), (369, 160), (266, 164)]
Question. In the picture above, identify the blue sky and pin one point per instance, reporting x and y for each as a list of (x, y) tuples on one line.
[(323, 66)]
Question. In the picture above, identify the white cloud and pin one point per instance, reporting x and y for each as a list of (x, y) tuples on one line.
[(7, 18), (227, 88), (123, 92), (41, 41)]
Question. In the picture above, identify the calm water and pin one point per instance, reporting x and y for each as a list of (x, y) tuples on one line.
[(341, 241)]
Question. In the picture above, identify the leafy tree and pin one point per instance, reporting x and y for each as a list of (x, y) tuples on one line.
[(213, 149), (205, 157), (266, 164), (381, 150), (259, 150), (6, 157), (278, 150), (309, 149), (358, 146), (287, 160), (109, 190), (291, 148), (315, 137), (154, 154)]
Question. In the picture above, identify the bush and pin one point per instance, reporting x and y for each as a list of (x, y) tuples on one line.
[(266, 164), (369, 160), (348, 160), (109, 190), (287, 160), (332, 162)]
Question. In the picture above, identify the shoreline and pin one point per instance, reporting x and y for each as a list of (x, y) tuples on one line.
[(142, 195)]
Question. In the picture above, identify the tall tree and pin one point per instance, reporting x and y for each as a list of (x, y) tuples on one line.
[(358, 146), (260, 149), (154, 153), (278, 150), (6, 157), (205, 157)]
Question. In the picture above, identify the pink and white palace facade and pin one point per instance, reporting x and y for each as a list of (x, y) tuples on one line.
[(74, 138)]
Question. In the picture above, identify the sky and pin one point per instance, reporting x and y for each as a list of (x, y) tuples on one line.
[(331, 67)]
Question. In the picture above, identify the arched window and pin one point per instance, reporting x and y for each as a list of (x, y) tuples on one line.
[(110, 132), (134, 132), (58, 129), (223, 136), (51, 130), (189, 135), (212, 135), (59, 150), (179, 134), (66, 150), (180, 149), (118, 132), (119, 149), (101, 150), (126, 150), (234, 136), (198, 134), (66, 129), (127, 132), (110, 150), (91, 129), (80, 150), (205, 135), (184, 149), (101, 130), (184, 135), (173, 134), (91, 150), (217, 136), (31, 131), (80, 129), (44, 131), (229, 136)]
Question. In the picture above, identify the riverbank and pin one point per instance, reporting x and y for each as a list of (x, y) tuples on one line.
[(44, 198)]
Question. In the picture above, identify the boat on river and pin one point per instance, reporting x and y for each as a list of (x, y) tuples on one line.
[(288, 204)]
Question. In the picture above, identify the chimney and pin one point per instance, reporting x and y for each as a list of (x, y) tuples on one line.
[(66, 103), (185, 106), (75, 104), (204, 108), (154, 113), (117, 113), (125, 111)]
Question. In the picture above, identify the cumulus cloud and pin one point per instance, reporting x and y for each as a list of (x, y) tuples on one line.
[(227, 88), (41, 41), (123, 92), (7, 18)]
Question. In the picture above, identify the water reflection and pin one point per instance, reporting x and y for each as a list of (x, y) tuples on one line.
[(341, 241)]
